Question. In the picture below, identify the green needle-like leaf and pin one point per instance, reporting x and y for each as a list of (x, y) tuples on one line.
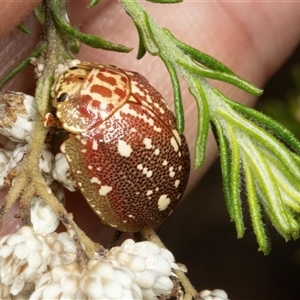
[(198, 70), (235, 183), (35, 53), (255, 211), (266, 122), (93, 3), (177, 95), (198, 56), (93, 41), (225, 160), (23, 29), (203, 121), (165, 1), (142, 49)]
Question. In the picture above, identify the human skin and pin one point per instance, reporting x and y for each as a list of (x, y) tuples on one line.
[(252, 38)]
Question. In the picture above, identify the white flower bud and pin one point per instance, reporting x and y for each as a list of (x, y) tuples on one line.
[(71, 63), (106, 279), (151, 265), (64, 250), (61, 172), (17, 116), (62, 282), (216, 294), (24, 257), (43, 218)]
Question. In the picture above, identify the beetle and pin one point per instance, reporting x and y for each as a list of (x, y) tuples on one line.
[(123, 149)]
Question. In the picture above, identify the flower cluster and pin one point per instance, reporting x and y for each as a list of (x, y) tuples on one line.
[(45, 266), (17, 118)]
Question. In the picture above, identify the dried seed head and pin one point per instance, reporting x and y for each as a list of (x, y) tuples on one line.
[(17, 116)]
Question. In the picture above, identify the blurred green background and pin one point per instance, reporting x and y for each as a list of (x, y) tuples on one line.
[(201, 236)]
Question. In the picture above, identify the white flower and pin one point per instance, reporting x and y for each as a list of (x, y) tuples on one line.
[(151, 265), (42, 216), (61, 172), (17, 116), (24, 257), (216, 294)]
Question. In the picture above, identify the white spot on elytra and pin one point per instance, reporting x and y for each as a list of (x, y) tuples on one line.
[(179, 168), (104, 190), (149, 99), (172, 173), (133, 129), (83, 150), (140, 167), (83, 141), (176, 184), (95, 180), (149, 192), (161, 110), (156, 152), (90, 167), (165, 163), (95, 145), (147, 172), (163, 202), (124, 149), (148, 143), (174, 144), (157, 129)]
